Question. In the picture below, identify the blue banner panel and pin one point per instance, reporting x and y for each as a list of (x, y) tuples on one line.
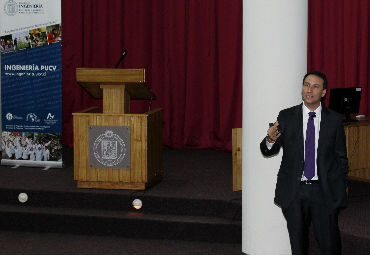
[(31, 90)]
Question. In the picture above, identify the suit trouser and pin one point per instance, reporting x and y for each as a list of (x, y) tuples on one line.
[(306, 208)]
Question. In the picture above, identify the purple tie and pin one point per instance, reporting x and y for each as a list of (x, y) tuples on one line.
[(309, 166)]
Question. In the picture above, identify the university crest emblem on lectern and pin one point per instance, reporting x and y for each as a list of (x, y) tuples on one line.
[(109, 148)]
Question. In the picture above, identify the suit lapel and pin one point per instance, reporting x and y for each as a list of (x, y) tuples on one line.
[(322, 135), (323, 129), (299, 128)]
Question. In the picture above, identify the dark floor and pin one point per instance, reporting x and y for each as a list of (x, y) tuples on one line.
[(13, 243), (195, 174), (190, 174)]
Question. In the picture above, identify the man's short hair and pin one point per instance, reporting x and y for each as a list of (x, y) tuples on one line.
[(318, 74)]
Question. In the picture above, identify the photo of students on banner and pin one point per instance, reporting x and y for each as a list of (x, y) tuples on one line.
[(21, 41), (38, 37), (31, 146), (54, 34), (7, 44)]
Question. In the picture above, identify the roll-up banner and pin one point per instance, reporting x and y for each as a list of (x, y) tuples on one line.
[(31, 83)]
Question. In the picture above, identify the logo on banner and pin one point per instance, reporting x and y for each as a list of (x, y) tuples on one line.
[(109, 149), (32, 117), (9, 116), (50, 119), (50, 116), (11, 8)]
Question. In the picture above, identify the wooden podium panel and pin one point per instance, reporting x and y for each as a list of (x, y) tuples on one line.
[(109, 75), (237, 158), (134, 80), (145, 151), (358, 144)]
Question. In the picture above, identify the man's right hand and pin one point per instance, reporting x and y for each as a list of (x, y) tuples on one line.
[(273, 133)]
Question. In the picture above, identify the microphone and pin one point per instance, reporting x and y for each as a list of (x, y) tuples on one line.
[(124, 53)]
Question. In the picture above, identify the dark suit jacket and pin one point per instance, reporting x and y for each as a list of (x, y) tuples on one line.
[(332, 163)]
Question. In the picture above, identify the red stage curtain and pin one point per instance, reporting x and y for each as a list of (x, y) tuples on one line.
[(192, 53), (338, 44)]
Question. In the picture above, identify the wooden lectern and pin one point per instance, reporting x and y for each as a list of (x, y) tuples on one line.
[(117, 87)]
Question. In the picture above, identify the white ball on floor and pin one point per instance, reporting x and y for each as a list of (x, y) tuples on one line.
[(22, 197), (137, 204)]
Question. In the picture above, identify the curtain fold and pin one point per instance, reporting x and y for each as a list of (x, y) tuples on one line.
[(191, 51), (338, 44)]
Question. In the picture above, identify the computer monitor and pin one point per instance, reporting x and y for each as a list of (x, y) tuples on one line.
[(346, 101)]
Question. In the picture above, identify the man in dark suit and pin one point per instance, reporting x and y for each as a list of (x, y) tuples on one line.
[(311, 183)]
